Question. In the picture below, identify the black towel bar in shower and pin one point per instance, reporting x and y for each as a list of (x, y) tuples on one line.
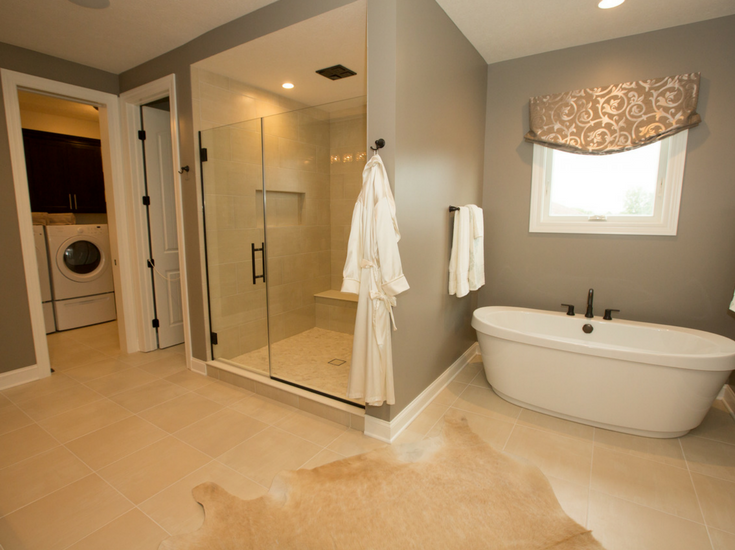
[(453, 208)]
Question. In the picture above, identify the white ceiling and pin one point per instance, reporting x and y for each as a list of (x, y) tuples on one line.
[(133, 31), (120, 37), (295, 53), (507, 29)]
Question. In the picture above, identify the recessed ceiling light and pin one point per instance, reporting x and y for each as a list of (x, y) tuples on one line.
[(607, 4), (94, 4), (287, 85)]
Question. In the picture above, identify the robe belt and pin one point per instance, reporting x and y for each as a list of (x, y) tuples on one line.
[(376, 293)]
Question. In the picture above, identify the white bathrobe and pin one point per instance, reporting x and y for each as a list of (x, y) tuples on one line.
[(373, 271)]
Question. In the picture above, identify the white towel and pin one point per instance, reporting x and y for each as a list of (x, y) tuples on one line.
[(732, 304), (459, 263), (477, 252)]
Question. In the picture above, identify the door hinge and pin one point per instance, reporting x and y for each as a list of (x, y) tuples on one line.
[(151, 263), (203, 154), (141, 135), (155, 323), (146, 201), (213, 338)]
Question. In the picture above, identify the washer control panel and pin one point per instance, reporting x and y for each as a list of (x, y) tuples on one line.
[(90, 230)]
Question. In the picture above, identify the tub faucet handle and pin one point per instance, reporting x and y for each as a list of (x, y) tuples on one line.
[(570, 309), (608, 314)]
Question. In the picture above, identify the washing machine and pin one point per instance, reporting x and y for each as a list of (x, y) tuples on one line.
[(39, 238), (81, 275)]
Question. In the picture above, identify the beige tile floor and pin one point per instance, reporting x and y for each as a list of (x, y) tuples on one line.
[(634, 493), (104, 454)]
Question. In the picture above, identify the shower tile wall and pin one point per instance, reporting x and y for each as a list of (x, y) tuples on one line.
[(297, 202), (347, 160)]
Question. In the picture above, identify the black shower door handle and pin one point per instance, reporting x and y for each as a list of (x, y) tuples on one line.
[(253, 250)]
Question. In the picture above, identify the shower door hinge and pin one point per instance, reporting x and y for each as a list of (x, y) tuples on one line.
[(146, 201), (141, 135), (203, 154), (155, 323), (213, 338)]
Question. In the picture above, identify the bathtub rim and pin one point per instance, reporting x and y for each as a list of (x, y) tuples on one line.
[(705, 362)]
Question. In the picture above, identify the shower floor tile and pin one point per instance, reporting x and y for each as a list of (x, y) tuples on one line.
[(307, 359)]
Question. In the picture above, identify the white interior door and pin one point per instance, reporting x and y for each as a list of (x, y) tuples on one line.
[(162, 226)]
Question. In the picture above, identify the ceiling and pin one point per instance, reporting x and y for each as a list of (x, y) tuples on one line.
[(502, 30), (120, 37), (295, 53), (131, 32)]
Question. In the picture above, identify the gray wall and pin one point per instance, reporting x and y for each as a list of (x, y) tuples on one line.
[(249, 27), (686, 280), (16, 337), (426, 98)]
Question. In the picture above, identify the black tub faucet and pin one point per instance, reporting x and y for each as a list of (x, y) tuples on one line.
[(589, 313)]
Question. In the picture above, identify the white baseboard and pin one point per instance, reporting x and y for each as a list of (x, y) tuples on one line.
[(18, 376), (198, 366), (728, 396), (388, 431)]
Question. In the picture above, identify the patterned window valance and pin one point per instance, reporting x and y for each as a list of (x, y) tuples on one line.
[(600, 121)]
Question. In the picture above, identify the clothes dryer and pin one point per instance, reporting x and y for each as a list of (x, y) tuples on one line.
[(81, 275)]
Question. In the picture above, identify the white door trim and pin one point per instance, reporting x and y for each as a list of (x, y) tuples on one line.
[(130, 103), (114, 193)]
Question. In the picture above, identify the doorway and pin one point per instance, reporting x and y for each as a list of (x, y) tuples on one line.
[(123, 234), (160, 291), (61, 141)]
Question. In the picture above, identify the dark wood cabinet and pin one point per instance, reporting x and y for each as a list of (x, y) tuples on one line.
[(64, 173)]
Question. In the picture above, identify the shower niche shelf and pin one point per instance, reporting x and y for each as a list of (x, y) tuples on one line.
[(284, 208)]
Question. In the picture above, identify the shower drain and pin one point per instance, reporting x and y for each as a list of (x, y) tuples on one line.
[(336, 362)]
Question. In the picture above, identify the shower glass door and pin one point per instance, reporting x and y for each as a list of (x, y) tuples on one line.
[(287, 184), (232, 188)]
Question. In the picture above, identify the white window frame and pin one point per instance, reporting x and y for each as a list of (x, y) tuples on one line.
[(666, 210)]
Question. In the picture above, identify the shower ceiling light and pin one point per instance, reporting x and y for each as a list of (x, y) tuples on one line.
[(287, 85), (607, 4), (94, 4)]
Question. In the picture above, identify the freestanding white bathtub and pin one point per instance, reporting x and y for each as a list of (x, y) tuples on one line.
[(638, 378)]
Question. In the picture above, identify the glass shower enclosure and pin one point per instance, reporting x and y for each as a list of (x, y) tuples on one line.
[(278, 195)]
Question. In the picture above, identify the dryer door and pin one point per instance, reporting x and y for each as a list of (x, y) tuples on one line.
[(80, 259)]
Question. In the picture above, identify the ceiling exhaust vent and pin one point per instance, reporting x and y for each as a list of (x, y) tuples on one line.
[(337, 72)]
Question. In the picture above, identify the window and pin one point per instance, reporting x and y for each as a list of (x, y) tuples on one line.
[(636, 192)]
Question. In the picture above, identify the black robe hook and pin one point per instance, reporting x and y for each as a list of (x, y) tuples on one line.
[(379, 144)]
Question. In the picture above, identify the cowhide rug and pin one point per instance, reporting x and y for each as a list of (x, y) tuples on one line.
[(450, 492)]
